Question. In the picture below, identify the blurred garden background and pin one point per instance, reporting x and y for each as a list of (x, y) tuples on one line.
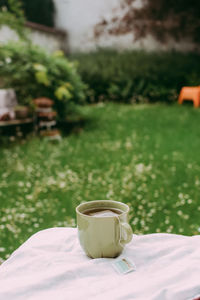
[(114, 78)]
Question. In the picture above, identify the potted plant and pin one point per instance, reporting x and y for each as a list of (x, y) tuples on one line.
[(43, 102), (21, 112)]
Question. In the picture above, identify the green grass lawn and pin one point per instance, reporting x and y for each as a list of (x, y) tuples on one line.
[(145, 155)]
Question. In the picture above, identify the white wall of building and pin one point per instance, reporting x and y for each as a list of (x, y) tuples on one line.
[(47, 40), (7, 34), (79, 18)]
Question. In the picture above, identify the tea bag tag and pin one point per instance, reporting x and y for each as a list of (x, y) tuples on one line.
[(124, 265)]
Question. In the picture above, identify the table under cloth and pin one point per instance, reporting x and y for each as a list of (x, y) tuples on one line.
[(52, 266)]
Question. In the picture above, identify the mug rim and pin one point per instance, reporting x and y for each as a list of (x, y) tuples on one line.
[(97, 201)]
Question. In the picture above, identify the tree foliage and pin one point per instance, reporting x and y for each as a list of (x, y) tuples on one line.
[(160, 18), (11, 14), (38, 11)]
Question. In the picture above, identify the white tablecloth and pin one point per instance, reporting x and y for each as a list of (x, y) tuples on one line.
[(52, 266)]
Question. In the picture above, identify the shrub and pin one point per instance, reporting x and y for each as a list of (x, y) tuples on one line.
[(34, 73), (137, 76)]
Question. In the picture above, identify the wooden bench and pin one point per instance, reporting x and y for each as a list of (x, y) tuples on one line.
[(15, 126)]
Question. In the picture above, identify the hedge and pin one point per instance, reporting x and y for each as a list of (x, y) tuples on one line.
[(137, 76)]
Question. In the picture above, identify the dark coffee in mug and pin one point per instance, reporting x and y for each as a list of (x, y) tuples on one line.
[(102, 212)]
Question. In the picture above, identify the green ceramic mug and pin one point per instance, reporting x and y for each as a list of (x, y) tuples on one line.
[(103, 236)]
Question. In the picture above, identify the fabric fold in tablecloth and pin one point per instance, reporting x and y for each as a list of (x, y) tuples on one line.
[(52, 266)]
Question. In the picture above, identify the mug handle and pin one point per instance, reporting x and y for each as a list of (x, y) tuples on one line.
[(129, 233)]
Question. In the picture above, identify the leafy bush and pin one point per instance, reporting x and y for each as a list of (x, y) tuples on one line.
[(34, 73), (137, 76)]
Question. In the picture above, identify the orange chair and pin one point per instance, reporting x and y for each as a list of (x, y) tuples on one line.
[(190, 93)]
